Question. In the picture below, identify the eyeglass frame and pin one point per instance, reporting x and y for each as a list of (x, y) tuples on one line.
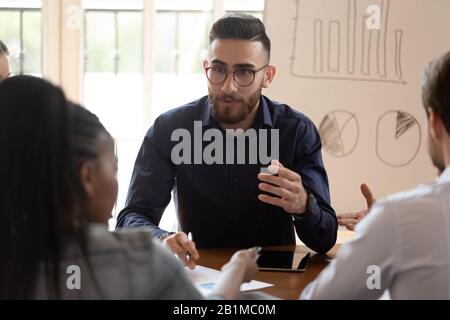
[(234, 72)]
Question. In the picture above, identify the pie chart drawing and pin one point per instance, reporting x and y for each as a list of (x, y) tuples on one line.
[(339, 131), (399, 137)]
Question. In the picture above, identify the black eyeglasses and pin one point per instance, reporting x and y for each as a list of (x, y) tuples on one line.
[(243, 77)]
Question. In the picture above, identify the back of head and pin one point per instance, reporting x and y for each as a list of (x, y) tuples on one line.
[(86, 129), (36, 181), (3, 48), (436, 88), (240, 27)]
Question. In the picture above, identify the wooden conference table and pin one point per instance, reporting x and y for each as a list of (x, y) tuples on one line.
[(287, 285)]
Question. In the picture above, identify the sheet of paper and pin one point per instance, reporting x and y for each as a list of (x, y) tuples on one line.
[(205, 278)]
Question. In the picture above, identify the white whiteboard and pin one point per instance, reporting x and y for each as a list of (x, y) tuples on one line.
[(360, 86)]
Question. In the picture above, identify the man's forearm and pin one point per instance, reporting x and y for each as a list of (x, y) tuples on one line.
[(136, 220)]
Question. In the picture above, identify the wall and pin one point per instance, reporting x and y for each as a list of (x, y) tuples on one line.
[(360, 85)]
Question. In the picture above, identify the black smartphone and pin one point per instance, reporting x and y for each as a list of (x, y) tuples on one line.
[(289, 261)]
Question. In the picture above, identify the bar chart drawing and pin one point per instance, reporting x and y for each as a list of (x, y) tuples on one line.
[(337, 44)]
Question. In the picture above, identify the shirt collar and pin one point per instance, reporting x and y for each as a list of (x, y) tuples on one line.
[(263, 114), (267, 119)]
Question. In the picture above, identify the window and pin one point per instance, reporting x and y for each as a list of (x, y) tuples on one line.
[(113, 81), (113, 78), (255, 7), (181, 44), (21, 31)]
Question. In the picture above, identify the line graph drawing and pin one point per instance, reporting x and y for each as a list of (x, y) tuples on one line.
[(336, 43), (398, 138), (339, 131)]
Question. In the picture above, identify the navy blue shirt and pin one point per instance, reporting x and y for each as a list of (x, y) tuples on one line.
[(219, 203)]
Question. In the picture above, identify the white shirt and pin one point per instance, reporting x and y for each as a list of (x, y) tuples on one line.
[(406, 237)]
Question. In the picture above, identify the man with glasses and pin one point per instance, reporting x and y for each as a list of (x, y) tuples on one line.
[(4, 62), (234, 204)]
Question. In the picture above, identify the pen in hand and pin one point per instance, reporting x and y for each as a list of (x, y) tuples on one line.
[(190, 238)]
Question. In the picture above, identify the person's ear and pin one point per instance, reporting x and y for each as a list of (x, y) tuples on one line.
[(87, 177), (269, 75), (435, 124)]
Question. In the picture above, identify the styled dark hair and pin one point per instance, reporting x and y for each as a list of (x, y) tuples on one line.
[(436, 88), (3, 48), (41, 197), (242, 27)]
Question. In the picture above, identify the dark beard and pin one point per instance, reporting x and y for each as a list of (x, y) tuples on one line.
[(222, 116)]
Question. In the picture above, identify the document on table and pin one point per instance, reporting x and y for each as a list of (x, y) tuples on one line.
[(205, 278)]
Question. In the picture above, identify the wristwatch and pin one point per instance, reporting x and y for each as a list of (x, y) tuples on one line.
[(311, 202)]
